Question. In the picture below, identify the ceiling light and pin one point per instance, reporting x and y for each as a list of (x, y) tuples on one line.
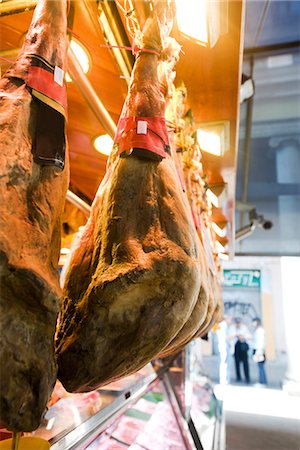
[(192, 19), (223, 256), (212, 197), (220, 248), (217, 193), (202, 20), (113, 32), (103, 144), (220, 228), (213, 137), (209, 142), (81, 56)]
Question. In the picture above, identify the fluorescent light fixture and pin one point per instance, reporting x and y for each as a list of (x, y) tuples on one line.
[(216, 193), (114, 31), (212, 197), (220, 228), (81, 56), (209, 142), (220, 248), (223, 256), (192, 19), (213, 137), (202, 20), (118, 53), (103, 144)]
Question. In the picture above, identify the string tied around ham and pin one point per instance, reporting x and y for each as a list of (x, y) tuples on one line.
[(136, 51)]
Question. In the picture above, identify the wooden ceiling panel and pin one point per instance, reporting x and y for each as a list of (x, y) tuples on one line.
[(13, 28), (110, 88), (87, 30), (212, 77)]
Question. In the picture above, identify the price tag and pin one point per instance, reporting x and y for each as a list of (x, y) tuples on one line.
[(142, 126), (58, 75)]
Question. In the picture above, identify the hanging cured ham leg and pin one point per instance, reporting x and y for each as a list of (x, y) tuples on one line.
[(197, 317), (33, 185), (215, 311), (134, 277)]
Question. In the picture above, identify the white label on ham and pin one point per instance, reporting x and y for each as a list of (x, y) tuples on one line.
[(142, 127), (59, 76)]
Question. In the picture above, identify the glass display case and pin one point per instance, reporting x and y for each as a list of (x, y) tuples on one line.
[(167, 405), (194, 394)]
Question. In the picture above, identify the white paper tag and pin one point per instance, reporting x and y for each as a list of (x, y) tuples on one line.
[(142, 127), (58, 75)]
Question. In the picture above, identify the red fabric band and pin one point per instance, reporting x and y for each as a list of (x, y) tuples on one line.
[(43, 81), (149, 133)]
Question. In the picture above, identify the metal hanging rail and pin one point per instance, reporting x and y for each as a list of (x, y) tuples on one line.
[(90, 95), (79, 203), (16, 6)]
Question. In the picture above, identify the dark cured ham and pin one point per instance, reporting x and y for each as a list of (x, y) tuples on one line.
[(197, 317), (134, 277), (32, 199)]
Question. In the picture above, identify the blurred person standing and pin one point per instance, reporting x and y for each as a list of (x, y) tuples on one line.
[(259, 350), (238, 335), (224, 350)]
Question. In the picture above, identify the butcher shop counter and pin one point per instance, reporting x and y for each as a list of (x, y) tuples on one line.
[(165, 408), (75, 419)]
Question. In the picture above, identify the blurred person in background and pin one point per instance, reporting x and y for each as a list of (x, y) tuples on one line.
[(259, 350), (238, 334), (224, 350)]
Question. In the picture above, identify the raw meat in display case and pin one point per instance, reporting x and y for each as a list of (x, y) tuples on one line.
[(67, 413), (149, 424)]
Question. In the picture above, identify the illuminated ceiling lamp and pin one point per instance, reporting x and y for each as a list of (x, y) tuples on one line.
[(216, 193), (220, 248), (103, 144), (223, 256), (213, 137), (81, 55), (202, 20), (212, 198), (220, 228)]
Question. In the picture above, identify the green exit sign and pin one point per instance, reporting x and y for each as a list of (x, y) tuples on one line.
[(241, 278)]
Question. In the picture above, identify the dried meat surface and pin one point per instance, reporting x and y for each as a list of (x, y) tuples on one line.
[(134, 277), (32, 199)]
